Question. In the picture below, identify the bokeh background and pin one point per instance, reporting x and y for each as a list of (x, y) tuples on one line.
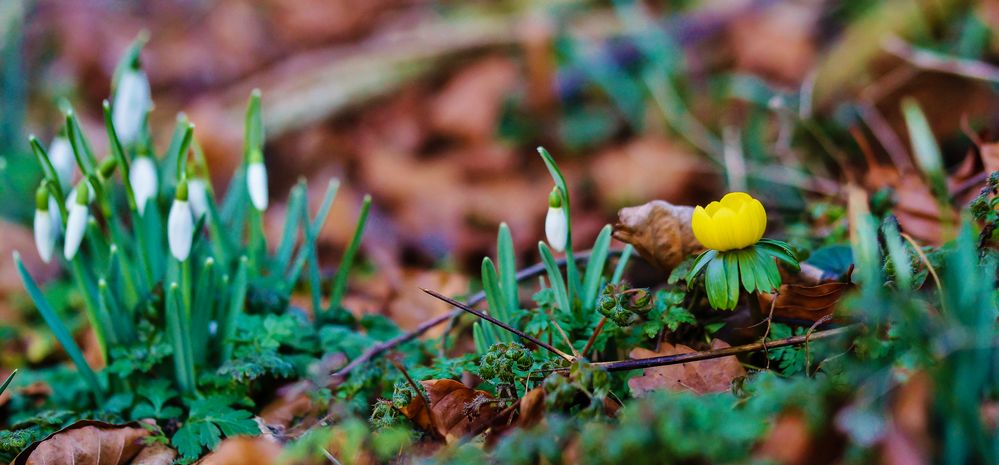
[(435, 108)]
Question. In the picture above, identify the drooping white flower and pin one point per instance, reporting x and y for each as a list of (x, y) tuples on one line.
[(198, 196), (256, 183), (45, 231), (556, 228), (180, 224), (144, 181), (61, 156), (76, 224), (131, 104)]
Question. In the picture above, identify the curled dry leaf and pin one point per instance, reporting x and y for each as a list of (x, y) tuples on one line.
[(715, 375), (457, 409), (88, 442), (807, 302), (659, 231)]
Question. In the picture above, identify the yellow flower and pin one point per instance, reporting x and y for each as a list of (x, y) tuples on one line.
[(735, 222)]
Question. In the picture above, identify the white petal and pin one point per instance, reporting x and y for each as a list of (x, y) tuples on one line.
[(61, 156), (555, 228), (256, 182), (180, 229), (44, 234), (76, 225), (197, 194), (144, 181), (131, 103), (55, 215)]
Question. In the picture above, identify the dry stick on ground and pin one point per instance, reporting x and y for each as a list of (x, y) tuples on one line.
[(499, 323), (624, 365), (382, 347)]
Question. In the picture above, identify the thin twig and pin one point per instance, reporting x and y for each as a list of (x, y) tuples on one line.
[(808, 334), (435, 426), (561, 332), (593, 337), (382, 347), (623, 365), (499, 323)]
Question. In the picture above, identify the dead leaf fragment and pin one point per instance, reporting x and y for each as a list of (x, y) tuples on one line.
[(659, 231), (457, 409), (701, 377), (87, 442), (244, 450), (155, 454)]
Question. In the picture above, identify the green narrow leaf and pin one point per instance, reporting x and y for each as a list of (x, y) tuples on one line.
[(175, 329), (494, 298), (120, 324), (6, 383), (201, 312), (924, 146), (507, 269), (222, 244), (227, 327), (311, 232), (48, 170), (292, 222), (478, 335), (85, 282), (765, 269), (59, 330), (343, 271), (716, 283), (119, 154), (595, 269), (254, 129), (700, 262), (732, 279), (555, 278), (747, 268), (81, 148), (899, 256), (622, 263)]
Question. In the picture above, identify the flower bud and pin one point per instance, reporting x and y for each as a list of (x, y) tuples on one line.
[(256, 181), (144, 181), (180, 224), (61, 156), (131, 105), (45, 232), (556, 228), (76, 224), (198, 196)]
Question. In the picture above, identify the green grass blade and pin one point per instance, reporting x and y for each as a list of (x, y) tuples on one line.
[(227, 327), (292, 222), (312, 232), (118, 319), (555, 278), (595, 269), (343, 271), (6, 383), (88, 288), (622, 263), (175, 329), (507, 269), (201, 311), (494, 297), (59, 330), (81, 148)]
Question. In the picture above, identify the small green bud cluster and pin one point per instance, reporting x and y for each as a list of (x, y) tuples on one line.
[(385, 415), (403, 394), (624, 305), (504, 360)]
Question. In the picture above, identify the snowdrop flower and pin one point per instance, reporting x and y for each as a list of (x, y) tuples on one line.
[(76, 224), (45, 230), (556, 228), (256, 180), (197, 192), (180, 224), (71, 196), (132, 103), (144, 182), (61, 156)]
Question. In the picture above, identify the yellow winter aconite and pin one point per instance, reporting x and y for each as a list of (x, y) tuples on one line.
[(735, 222)]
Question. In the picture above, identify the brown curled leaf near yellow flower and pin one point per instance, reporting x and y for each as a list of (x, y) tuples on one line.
[(738, 257)]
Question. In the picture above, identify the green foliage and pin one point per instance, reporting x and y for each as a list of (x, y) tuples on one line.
[(208, 419)]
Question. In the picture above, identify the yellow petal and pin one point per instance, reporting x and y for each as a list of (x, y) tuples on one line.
[(735, 200), (702, 225), (725, 229), (712, 208), (761, 219), (747, 225)]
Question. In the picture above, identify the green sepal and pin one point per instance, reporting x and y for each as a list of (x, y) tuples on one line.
[(699, 263)]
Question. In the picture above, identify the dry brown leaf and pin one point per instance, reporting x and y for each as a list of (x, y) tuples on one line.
[(776, 43), (86, 442), (244, 450), (659, 231), (410, 306), (469, 106), (457, 409), (806, 302), (155, 454), (789, 442), (714, 375), (292, 402), (532, 408)]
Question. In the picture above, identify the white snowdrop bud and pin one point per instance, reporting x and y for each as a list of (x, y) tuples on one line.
[(198, 197), (180, 224), (45, 231), (556, 229), (76, 224), (256, 180), (61, 156), (144, 181), (131, 104)]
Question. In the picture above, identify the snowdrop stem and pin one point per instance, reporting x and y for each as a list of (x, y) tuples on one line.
[(119, 154), (50, 172)]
